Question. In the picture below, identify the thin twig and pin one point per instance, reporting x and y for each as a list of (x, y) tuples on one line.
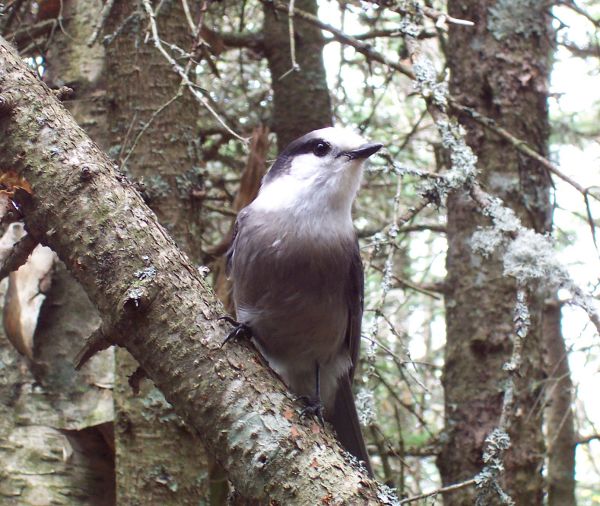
[(439, 17), (154, 115), (106, 10), (404, 283), (389, 32), (198, 39), (107, 39), (181, 72), (582, 12), (396, 357), (587, 439), (188, 16), (295, 66), (362, 47), (221, 210), (29, 32), (443, 490), (520, 145)]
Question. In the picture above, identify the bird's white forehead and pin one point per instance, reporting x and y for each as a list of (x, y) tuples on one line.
[(340, 137)]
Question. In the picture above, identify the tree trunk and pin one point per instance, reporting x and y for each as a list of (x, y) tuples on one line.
[(51, 447), (559, 413), (508, 83), (159, 461), (301, 97)]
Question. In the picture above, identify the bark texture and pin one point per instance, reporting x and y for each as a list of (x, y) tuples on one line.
[(559, 413), (153, 142), (57, 451), (52, 449), (156, 304), (300, 98), (159, 461), (508, 83), (71, 62)]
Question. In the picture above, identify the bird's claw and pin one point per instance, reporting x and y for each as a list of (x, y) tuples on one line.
[(239, 331), (313, 407)]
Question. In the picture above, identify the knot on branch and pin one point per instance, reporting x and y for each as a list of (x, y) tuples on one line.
[(98, 341), (142, 291), (6, 106), (86, 173), (63, 93)]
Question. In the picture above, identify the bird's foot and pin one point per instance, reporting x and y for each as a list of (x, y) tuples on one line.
[(239, 331), (313, 407)]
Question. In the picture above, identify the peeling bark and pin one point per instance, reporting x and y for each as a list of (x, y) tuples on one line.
[(47, 453), (157, 305)]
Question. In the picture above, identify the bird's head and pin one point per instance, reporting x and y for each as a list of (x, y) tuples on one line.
[(321, 170)]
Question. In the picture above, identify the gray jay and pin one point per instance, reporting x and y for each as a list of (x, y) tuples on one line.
[(297, 274)]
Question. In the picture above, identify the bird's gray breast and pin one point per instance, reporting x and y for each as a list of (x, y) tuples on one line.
[(291, 288)]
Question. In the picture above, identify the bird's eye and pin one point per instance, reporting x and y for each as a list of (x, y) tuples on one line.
[(321, 149)]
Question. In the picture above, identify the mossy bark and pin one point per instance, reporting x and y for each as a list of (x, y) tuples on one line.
[(503, 75)]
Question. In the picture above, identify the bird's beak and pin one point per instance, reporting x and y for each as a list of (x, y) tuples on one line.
[(364, 151)]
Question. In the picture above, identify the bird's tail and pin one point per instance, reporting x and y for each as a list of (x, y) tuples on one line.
[(345, 422)]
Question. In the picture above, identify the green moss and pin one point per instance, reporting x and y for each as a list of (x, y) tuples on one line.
[(102, 213)]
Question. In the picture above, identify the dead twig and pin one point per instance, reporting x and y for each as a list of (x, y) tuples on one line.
[(182, 73), (295, 67), (442, 490), (104, 13)]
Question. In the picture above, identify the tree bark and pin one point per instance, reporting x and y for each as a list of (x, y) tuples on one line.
[(300, 98), (158, 306), (57, 451), (508, 83), (48, 453), (159, 461), (53, 421), (559, 413)]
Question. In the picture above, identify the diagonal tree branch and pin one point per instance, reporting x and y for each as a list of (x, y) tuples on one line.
[(157, 305)]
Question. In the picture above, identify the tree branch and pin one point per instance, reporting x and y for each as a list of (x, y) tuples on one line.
[(244, 40), (28, 32), (360, 46), (157, 305)]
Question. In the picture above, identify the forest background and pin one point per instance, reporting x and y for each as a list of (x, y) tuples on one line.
[(479, 372)]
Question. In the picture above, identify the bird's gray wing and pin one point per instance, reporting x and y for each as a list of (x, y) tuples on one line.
[(344, 417), (234, 236), (355, 302)]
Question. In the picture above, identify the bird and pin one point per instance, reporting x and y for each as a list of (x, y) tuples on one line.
[(297, 276)]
